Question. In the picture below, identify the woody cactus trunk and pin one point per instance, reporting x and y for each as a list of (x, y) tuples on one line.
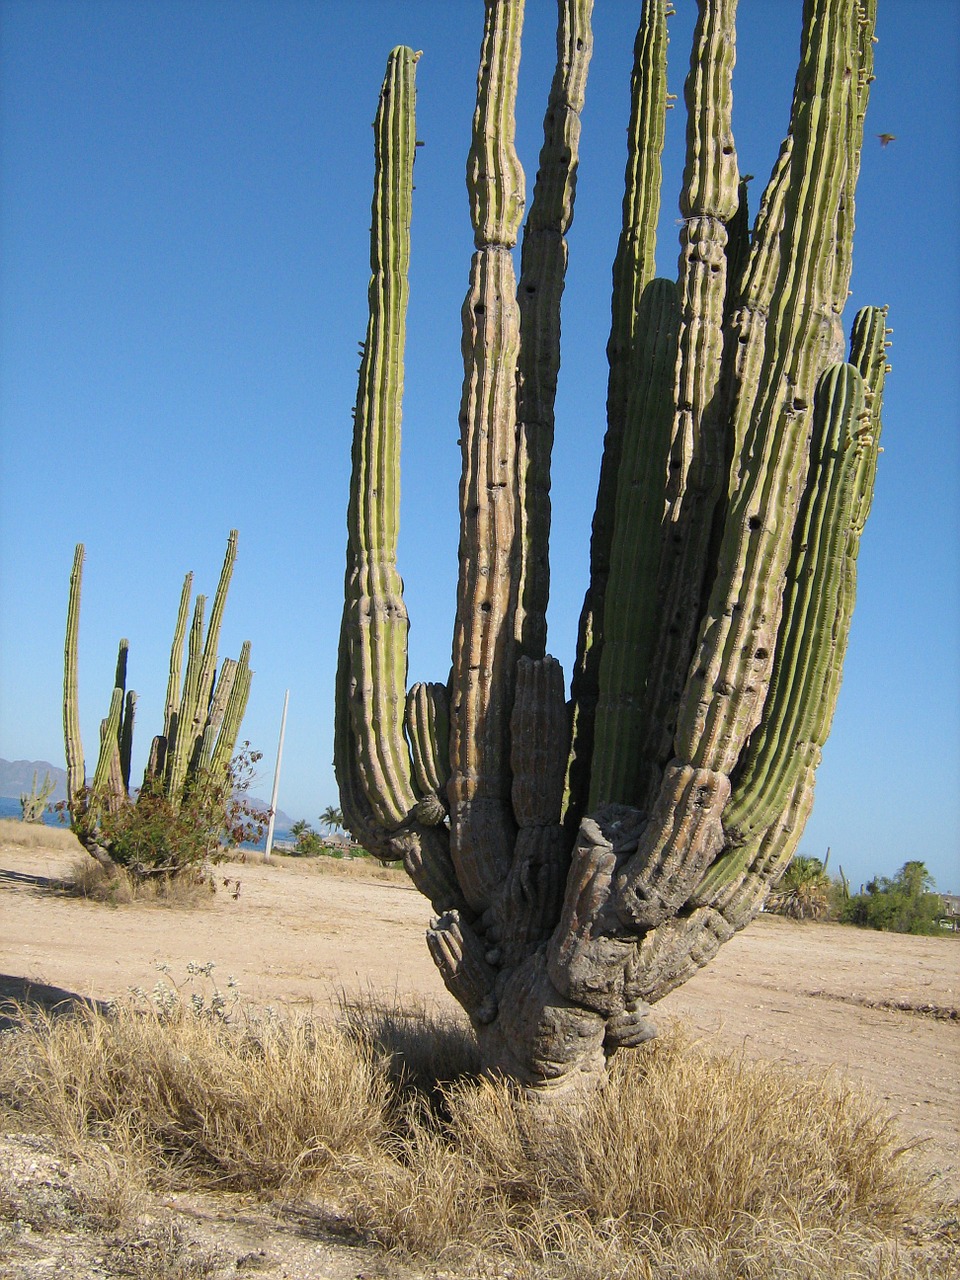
[(202, 716), (586, 857)]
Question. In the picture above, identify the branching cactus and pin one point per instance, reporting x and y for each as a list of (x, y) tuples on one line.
[(33, 803), (585, 857), (201, 722)]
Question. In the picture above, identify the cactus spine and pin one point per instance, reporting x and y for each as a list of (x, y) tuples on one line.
[(583, 862)]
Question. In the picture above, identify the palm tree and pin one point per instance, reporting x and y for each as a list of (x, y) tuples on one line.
[(804, 891), (332, 818)]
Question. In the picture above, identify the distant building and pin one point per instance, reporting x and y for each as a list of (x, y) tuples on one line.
[(951, 910)]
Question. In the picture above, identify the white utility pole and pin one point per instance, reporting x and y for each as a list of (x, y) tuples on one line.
[(276, 780)]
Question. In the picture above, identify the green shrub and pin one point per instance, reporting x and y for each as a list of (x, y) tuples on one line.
[(907, 903)]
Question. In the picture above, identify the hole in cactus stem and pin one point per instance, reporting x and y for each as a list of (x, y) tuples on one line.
[(728, 150), (761, 655), (485, 607), (754, 522), (479, 309)]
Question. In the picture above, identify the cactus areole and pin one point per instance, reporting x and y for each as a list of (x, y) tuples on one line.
[(585, 856)]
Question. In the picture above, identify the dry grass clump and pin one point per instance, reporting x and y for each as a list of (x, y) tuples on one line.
[(686, 1164), (116, 887), (36, 835), (262, 1103), (348, 867)]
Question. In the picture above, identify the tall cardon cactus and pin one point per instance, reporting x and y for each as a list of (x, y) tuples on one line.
[(201, 721), (585, 857)]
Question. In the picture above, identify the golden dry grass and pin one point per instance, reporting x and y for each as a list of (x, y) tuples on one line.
[(116, 887), (350, 868), (35, 835), (687, 1164)]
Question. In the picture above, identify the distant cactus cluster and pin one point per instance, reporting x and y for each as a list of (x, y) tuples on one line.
[(33, 803), (586, 855), (202, 718)]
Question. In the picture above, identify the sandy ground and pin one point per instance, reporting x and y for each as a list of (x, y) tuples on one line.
[(882, 1008), (823, 995)]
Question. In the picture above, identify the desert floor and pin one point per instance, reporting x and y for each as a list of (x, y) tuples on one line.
[(882, 1009)]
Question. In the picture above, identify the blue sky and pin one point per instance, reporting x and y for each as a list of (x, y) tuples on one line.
[(184, 214)]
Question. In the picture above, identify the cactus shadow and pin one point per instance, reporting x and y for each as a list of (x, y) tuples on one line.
[(18, 995)]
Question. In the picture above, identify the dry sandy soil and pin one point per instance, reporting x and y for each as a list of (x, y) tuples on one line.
[(881, 1008)]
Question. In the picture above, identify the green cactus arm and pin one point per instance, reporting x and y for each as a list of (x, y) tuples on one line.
[(104, 777), (124, 729), (866, 16), (209, 665), (73, 744), (218, 707), (181, 748), (172, 704), (696, 470), (126, 739), (542, 270), (820, 600), (484, 644), (629, 618), (427, 722), (730, 672), (233, 712), (868, 353), (816, 615), (375, 620), (157, 761), (633, 269), (358, 814)]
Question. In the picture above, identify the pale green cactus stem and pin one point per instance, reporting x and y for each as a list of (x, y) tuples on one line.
[(634, 267), (812, 641), (233, 712), (194, 703), (104, 777), (710, 199), (126, 739), (180, 748), (428, 730), (156, 766), (209, 667), (484, 643), (76, 772), (218, 707), (630, 610), (731, 670), (542, 270), (375, 620)]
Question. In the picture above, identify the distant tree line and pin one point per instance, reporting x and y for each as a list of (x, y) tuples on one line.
[(904, 903)]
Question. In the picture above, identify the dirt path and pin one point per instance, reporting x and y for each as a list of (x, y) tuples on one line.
[(882, 1008)]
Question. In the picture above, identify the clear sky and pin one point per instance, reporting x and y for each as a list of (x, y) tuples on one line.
[(184, 214)]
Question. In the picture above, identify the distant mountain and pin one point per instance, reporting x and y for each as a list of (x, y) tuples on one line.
[(16, 778), (283, 820)]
